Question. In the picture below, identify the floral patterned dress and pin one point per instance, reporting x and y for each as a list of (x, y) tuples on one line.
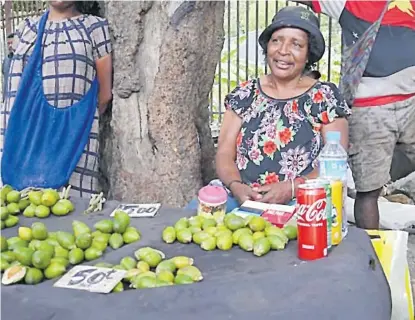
[(281, 139)]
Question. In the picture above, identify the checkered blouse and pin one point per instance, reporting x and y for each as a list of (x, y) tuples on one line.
[(70, 48)]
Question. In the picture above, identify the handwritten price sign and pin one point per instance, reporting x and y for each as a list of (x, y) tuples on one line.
[(140, 210), (92, 279)]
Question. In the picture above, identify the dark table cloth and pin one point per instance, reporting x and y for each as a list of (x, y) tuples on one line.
[(236, 285)]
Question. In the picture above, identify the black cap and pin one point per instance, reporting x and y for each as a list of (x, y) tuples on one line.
[(301, 18)]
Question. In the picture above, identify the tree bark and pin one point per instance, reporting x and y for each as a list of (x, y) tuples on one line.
[(156, 142)]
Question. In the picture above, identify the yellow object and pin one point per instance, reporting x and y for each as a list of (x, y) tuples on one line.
[(391, 249), (337, 213)]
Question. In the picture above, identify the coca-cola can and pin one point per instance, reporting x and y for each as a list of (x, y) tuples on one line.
[(311, 221)]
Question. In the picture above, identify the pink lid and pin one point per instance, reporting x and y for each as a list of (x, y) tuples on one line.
[(213, 195)]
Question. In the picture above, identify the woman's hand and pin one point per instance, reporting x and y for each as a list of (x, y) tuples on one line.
[(277, 193), (243, 192)]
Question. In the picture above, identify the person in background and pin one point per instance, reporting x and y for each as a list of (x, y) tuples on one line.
[(76, 53), (384, 106), (274, 127), (5, 66)]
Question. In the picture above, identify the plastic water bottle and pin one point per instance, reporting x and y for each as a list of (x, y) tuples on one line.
[(333, 166)]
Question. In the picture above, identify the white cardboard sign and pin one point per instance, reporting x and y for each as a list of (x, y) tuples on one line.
[(139, 210), (90, 278)]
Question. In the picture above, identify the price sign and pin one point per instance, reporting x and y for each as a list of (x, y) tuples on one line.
[(140, 210), (89, 278)]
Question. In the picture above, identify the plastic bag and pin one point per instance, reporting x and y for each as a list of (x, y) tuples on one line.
[(391, 248)]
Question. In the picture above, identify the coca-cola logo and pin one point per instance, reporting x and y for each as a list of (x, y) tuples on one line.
[(315, 212)]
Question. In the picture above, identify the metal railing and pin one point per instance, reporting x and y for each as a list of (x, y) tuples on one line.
[(241, 57)]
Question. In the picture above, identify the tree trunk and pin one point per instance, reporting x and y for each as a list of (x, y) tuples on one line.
[(156, 140)]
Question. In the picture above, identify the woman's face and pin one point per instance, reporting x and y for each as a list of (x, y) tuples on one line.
[(61, 5), (287, 53)]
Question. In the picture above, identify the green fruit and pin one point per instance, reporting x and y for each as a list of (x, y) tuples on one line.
[(116, 241), (76, 256), (61, 252), (191, 271), (208, 244), (194, 230), (222, 232), (34, 244), (33, 276), (68, 204), (183, 279), (8, 256), (143, 266), (196, 221), (15, 242), (169, 234), (23, 204), (153, 258), (182, 223), (238, 233), (275, 231), (121, 221), (13, 274), (46, 247), (4, 213), (4, 191), (224, 242), (118, 288), (13, 208), (54, 270), (79, 228), (208, 222), (105, 226), (144, 282), (211, 231), (131, 273), (276, 242), (49, 197), (11, 221), (52, 242), (246, 242), (66, 240), (258, 235), (95, 233), (42, 211), (100, 246), (4, 265), (261, 247), (4, 245), (103, 265), (60, 260), (39, 231), (83, 241), (13, 196), (130, 236), (234, 223), (291, 232), (128, 263), (165, 275), (52, 235), (29, 212), (35, 197), (166, 265), (257, 224), (118, 267), (200, 236), (24, 255), (184, 235), (92, 254), (3, 225), (59, 209), (41, 259), (25, 233), (102, 237)]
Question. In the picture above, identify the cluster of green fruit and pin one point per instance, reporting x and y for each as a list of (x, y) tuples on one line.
[(38, 204), (253, 233), (154, 270), (37, 253)]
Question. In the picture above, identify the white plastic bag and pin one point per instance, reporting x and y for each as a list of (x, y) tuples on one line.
[(391, 248)]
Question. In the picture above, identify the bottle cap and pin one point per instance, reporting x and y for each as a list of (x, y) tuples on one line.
[(333, 136), (213, 195)]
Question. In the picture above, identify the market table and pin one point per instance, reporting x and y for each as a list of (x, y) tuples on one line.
[(236, 285)]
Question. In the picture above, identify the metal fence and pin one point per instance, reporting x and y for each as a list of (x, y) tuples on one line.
[(241, 57)]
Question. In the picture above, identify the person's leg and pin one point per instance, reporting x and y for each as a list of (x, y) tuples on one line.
[(405, 115), (372, 137)]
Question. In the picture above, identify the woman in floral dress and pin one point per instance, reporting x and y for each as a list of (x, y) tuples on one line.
[(76, 49), (273, 127)]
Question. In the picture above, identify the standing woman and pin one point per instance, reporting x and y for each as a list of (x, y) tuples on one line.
[(60, 80)]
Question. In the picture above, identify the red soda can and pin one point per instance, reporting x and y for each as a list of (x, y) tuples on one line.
[(311, 221)]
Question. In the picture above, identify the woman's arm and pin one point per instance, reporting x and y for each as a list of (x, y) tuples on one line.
[(104, 75)]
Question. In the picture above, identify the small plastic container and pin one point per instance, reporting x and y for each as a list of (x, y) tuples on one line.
[(212, 202)]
